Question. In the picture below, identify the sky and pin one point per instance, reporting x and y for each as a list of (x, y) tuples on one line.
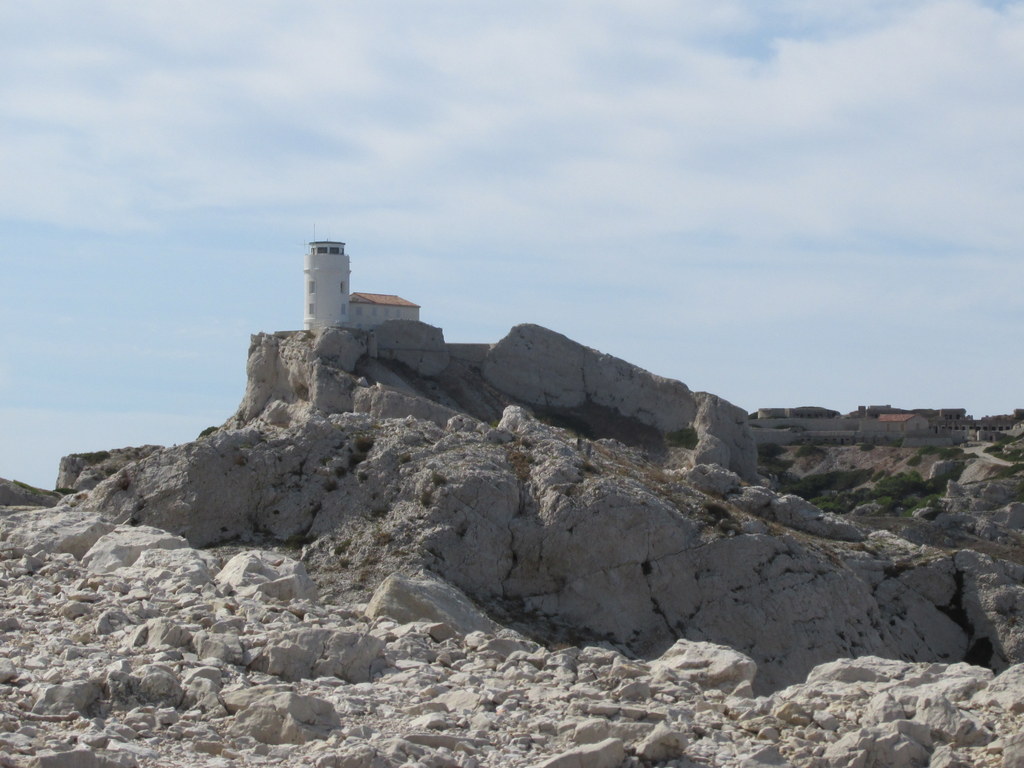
[(787, 203)]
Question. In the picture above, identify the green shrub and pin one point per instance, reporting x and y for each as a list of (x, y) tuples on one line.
[(208, 431), (807, 449), (769, 456), (683, 438), (95, 456), (813, 486)]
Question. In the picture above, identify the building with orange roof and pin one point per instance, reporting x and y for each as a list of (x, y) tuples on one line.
[(330, 302)]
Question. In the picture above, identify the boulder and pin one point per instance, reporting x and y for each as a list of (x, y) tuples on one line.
[(275, 716), (604, 754), (661, 744), (707, 664), (1005, 691), (794, 512), (62, 529), (427, 598), (712, 478), (267, 574), (74, 696), (897, 744), (307, 653), (123, 546)]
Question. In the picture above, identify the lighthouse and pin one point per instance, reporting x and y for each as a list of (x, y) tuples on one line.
[(327, 285)]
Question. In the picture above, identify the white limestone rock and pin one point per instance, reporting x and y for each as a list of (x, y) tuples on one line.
[(62, 529), (309, 370), (125, 544), (663, 743), (797, 513), (267, 574), (174, 568), (427, 598), (274, 716), (708, 665), (386, 403), (897, 744), (712, 478), (84, 471), (604, 754), (1006, 690), (543, 368), (319, 653)]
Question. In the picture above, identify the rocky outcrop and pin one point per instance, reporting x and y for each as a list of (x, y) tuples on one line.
[(84, 471), (156, 664), (404, 368), (543, 368), (416, 345), (569, 538), (288, 374), (14, 494)]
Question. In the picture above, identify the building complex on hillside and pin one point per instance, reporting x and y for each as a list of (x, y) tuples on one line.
[(881, 424), (329, 297)]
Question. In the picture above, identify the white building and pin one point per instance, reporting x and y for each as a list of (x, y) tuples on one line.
[(327, 284), (371, 309), (330, 302)]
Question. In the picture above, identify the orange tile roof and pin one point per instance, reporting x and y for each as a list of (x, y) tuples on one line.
[(387, 299), (896, 416)]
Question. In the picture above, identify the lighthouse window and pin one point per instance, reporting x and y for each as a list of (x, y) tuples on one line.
[(321, 249), (312, 286), (311, 309), (335, 250), (343, 287)]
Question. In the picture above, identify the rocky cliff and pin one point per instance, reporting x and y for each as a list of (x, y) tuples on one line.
[(385, 460), (292, 375), (639, 584)]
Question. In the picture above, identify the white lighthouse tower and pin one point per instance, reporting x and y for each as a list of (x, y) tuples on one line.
[(327, 285)]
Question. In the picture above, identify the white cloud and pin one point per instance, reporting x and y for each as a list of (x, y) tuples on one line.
[(899, 119)]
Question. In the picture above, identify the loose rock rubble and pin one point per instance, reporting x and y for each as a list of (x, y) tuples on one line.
[(115, 657)]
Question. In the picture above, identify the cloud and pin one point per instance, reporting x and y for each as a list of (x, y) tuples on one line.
[(896, 117)]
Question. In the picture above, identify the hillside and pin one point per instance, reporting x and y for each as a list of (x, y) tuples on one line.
[(580, 502)]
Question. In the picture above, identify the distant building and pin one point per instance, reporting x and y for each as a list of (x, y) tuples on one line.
[(896, 425), (329, 298), (880, 424)]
